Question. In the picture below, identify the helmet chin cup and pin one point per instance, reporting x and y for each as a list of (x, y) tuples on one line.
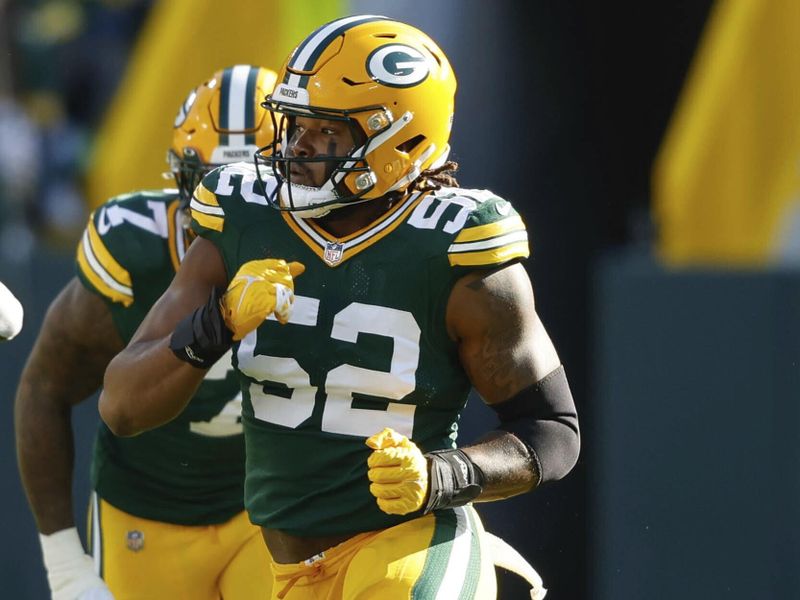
[(306, 201), (313, 213)]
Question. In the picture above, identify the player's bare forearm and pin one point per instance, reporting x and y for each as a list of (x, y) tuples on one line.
[(146, 385), (505, 464), (66, 365), (506, 352)]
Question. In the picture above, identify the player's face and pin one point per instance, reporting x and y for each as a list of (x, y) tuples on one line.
[(317, 139)]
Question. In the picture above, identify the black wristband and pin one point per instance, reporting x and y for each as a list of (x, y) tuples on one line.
[(454, 480), (201, 338)]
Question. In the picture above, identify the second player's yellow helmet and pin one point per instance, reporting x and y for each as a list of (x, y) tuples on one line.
[(221, 121), (384, 77)]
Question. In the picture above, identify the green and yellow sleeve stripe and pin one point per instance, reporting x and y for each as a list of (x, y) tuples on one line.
[(490, 244), (102, 270), (206, 209)]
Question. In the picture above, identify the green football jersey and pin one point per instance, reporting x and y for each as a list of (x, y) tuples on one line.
[(366, 346), (191, 470)]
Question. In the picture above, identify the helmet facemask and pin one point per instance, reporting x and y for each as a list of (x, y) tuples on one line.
[(348, 176), (187, 171)]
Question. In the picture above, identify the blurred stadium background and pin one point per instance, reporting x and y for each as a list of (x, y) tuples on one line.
[(654, 150)]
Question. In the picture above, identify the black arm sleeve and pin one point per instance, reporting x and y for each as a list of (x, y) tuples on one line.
[(544, 418)]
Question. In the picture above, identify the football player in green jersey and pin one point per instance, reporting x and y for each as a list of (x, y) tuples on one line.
[(167, 518), (364, 295)]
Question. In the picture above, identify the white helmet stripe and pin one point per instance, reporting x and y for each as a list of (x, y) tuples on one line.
[(237, 104), (310, 50)]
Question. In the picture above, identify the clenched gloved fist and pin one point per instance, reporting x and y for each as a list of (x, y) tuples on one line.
[(259, 288), (398, 472)]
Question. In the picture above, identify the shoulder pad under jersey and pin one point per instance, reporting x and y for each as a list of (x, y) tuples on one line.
[(484, 230), (221, 195)]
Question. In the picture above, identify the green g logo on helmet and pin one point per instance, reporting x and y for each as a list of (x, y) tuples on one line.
[(397, 65)]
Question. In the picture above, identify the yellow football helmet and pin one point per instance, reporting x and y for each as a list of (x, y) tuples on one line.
[(394, 87), (221, 121)]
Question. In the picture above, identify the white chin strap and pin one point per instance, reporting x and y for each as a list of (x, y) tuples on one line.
[(416, 168), (305, 199)]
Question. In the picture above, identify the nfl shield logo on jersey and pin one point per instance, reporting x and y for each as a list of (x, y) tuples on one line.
[(333, 253), (135, 540)]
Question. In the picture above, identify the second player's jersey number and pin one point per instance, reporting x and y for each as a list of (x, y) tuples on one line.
[(339, 415)]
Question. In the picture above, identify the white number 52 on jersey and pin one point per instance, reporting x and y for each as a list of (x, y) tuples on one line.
[(339, 415)]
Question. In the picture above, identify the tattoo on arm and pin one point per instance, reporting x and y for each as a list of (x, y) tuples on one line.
[(493, 318), (496, 356)]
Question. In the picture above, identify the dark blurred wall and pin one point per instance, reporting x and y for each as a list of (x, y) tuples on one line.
[(696, 494), (35, 282)]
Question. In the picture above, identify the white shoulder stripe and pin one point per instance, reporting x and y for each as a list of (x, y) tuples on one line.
[(206, 209), (503, 240), (100, 271)]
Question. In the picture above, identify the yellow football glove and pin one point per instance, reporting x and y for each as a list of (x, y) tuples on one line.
[(260, 288), (398, 472)]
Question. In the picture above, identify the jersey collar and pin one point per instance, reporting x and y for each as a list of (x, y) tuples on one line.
[(335, 251)]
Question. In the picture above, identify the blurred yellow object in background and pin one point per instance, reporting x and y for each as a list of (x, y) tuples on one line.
[(726, 183), (181, 43)]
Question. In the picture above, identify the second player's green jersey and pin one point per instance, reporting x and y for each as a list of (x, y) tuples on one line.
[(366, 346), (191, 470)]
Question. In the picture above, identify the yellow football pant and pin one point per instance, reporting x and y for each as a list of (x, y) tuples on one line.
[(440, 556), (140, 559)]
